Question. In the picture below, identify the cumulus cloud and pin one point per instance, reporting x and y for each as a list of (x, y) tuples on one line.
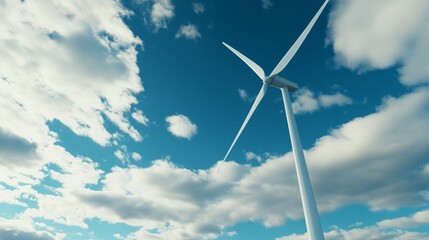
[(188, 31), (158, 12), (162, 11), (181, 126), (145, 199), (307, 102), (374, 41), (75, 70), (267, 4), (378, 231), (198, 8), (69, 63)]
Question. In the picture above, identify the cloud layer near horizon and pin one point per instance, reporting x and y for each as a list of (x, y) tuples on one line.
[(398, 228), (378, 145)]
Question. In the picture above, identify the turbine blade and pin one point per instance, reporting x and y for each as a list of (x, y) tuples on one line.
[(289, 55), (255, 67), (258, 99)]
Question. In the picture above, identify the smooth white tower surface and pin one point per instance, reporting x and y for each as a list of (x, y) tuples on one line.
[(311, 214)]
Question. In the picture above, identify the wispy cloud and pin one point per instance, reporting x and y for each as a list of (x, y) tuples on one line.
[(189, 31), (140, 117), (181, 126), (267, 4), (244, 95), (336, 99), (198, 8), (307, 102)]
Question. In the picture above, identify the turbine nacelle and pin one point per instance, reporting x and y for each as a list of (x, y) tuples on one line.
[(279, 82)]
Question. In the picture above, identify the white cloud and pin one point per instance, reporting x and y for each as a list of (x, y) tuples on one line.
[(17, 230), (244, 95), (181, 126), (120, 155), (162, 11), (198, 8), (267, 4), (136, 156), (307, 102), (380, 230), (373, 40), (416, 220), (140, 117), (55, 70), (159, 12), (70, 63), (203, 202), (140, 197), (188, 31), (72, 69), (369, 233), (337, 99), (253, 156), (196, 204), (15, 150)]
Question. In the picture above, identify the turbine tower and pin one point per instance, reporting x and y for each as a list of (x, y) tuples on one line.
[(311, 214)]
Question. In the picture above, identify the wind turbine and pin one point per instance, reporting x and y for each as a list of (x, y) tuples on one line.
[(311, 214)]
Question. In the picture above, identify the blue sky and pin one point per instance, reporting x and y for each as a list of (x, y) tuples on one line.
[(114, 116)]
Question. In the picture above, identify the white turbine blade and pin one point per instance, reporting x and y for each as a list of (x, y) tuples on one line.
[(289, 55), (255, 67), (258, 99)]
